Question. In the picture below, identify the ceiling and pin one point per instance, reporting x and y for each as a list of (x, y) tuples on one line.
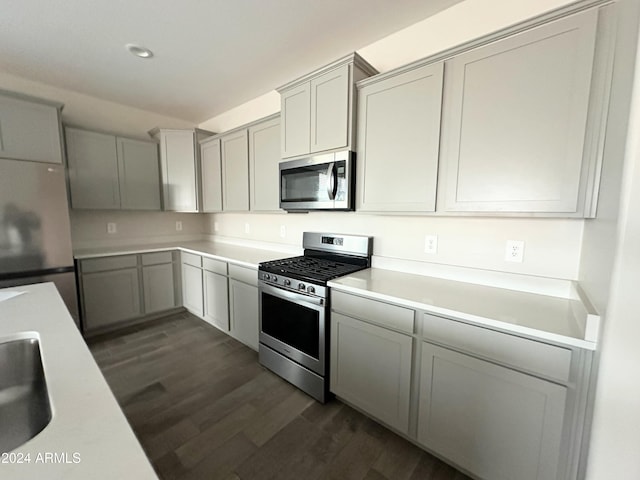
[(209, 55)]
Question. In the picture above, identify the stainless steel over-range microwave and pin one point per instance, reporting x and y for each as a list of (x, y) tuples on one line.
[(320, 182)]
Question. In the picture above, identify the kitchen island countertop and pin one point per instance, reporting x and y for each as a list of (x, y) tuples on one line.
[(88, 435)]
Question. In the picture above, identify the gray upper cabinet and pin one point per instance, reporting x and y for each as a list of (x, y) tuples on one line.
[(178, 165), (264, 158), (211, 175), (515, 120), (398, 140), (109, 172), (317, 110), (29, 129), (235, 171), (92, 159), (139, 174)]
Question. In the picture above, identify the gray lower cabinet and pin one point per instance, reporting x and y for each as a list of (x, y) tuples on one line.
[(113, 173), (243, 305), (498, 405), (371, 368), (110, 297), (116, 289), (216, 300), (192, 295), (29, 129), (158, 282), (398, 140), (491, 420)]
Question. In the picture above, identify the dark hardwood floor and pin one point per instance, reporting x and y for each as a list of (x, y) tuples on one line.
[(203, 408)]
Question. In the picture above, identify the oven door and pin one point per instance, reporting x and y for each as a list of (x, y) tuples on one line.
[(293, 324)]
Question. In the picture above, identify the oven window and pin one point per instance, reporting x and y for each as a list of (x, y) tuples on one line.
[(295, 325)]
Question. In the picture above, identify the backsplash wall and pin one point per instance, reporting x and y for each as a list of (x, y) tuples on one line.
[(89, 227), (551, 245)]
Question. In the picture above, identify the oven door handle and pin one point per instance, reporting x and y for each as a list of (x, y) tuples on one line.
[(314, 302)]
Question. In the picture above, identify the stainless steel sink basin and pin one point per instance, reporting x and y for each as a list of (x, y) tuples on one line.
[(24, 402)]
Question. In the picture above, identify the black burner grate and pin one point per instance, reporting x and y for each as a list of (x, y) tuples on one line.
[(309, 268)]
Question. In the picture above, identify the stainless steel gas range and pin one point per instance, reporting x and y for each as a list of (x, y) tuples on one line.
[(294, 307)]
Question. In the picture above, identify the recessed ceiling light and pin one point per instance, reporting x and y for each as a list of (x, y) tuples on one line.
[(139, 51)]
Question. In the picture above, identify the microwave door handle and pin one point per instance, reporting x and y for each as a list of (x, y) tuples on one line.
[(331, 183)]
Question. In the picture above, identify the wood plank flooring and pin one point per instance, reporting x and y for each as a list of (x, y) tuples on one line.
[(203, 408)]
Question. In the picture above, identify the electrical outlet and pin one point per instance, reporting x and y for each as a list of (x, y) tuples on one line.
[(178, 226), (514, 251), (216, 227), (431, 244), (111, 228), (283, 231), (247, 228)]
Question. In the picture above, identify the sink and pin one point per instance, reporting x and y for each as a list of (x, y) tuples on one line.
[(24, 402)]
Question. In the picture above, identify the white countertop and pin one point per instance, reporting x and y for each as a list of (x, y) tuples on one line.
[(245, 256), (562, 320), (86, 420)]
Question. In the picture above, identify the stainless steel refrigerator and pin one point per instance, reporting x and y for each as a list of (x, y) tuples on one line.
[(35, 232)]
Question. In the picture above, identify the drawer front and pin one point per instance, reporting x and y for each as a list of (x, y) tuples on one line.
[(529, 355), (156, 258), (384, 314), (215, 266), (191, 259), (104, 264), (244, 274)]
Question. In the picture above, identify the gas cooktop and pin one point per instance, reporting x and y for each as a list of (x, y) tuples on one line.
[(309, 268)]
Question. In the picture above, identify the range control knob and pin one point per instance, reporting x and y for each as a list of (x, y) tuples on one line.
[(275, 279), (287, 282), (310, 289), (267, 276), (301, 286)]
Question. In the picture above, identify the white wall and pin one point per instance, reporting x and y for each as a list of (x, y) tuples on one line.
[(552, 246), (611, 270)]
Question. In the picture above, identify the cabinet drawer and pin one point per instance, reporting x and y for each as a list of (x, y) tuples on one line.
[(103, 264), (385, 314), (191, 259), (215, 266), (156, 258), (244, 274), (518, 352)]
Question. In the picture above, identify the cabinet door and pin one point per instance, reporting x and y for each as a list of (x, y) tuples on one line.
[(211, 168), (179, 170), (158, 287), (93, 169), (244, 312), (371, 368), (216, 300), (29, 131), (493, 421), (139, 174), (330, 110), (398, 141), (514, 120), (295, 115), (110, 297), (264, 159), (235, 171), (192, 297)]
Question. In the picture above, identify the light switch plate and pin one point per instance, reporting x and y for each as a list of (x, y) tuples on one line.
[(178, 226), (514, 251), (111, 228), (283, 231), (247, 228), (431, 244), (216, 227)]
